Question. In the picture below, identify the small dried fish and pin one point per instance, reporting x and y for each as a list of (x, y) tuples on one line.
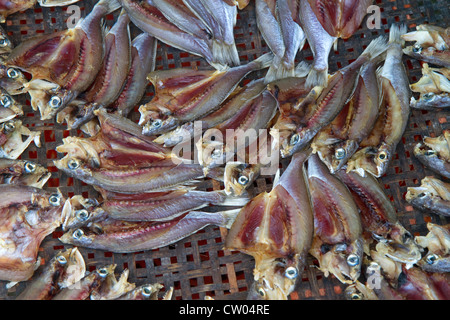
[(437, 243), (434, 89), (434, 153), (111, 288), (122, 236), (337, 243), (143, 292), (433, 195), (276, 228), (12, 80), (23, 172), (238, 176), (28, 215), (64, 269), (11, 143)]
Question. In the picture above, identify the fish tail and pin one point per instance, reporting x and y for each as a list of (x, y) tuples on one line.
[(264, 61), (396, 32), (317, 78), (375, 48), (111, 5), (229, 217), (302, 69), (225, 54), (271, 74)]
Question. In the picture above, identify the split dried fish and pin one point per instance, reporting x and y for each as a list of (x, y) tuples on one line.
[(433, 195), (28, 215), (276, 228), (337, 243)]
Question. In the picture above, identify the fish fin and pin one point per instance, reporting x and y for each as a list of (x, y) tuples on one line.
[(225, 54), (317, 78), (112, 5), (396, 32), (234, 201), (376, 47), (277, 177), (264, 61), (230, 216), (302, 69)]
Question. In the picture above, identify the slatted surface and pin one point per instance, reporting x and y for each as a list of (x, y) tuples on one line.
[(198, 266)]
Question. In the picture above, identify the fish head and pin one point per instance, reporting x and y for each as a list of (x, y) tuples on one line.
[(11, 138), (363, 161), (440, 144), (8, 102), (359, 291), (80, 148), (430, 100), (433, 262), (159, 125), (78, 237), (6, 44), (73, 167), (420, 197), (274, 279), (34, 174), (79, 211), (239, 176), (72, 265)]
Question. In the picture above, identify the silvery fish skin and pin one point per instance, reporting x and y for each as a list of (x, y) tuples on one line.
[(336, 143), (23, 172), (340, 18), (173, 106), (433, 195), (83, 48), (123, 236), (151, 20), (143, 292), (11, 143), (243, 129), (28, 215), (320, 42), (64, 269), (434, 153), (432, 45), (337, 243), (143, 55), (437, 243), (82, 289), (415, 284), (12, 80), (110, 78), (375, 159), (379, 217), (276, 228), (329, 102), (8, 7), (112, 288), (434, 89), (9, 107)]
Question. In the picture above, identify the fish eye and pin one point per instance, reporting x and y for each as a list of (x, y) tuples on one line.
[(78, 234), (340, 153), (431, 259), (355, 296), (73, 164), (9, 126), (429, 153), (61, 260), (417, 48), (102, 272), (261, 292), (54, 102), (243, 180), (4, 42), (291, 273), (12, 73), (146, 291), (5, 100), (54, 200), (295, 138), (353, 260), (157, 123), (82, 214), (382, 156), (429, 96), (30, 167)]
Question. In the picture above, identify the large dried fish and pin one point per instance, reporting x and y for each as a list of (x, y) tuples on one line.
[(63, 64), (433, 195), (437, 243), (337, 243), (379, 218), (122, 236), (184, 95), (64, 269), (28, 215), (23, 172), (276, 228), (434, 153), (375, 156)]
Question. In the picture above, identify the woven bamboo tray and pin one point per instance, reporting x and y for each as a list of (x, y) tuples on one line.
[(198, 266)]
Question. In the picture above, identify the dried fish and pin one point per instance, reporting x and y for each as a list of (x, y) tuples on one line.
[(23, 172), (11, 143), (143, 292), (64, 269), (10, 104), (276, 228), (111, 288), (28, 215), (184, 95), (437, 243), (337, 243), (12, 80), (434, 89), (434, 153), (433, 195)]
